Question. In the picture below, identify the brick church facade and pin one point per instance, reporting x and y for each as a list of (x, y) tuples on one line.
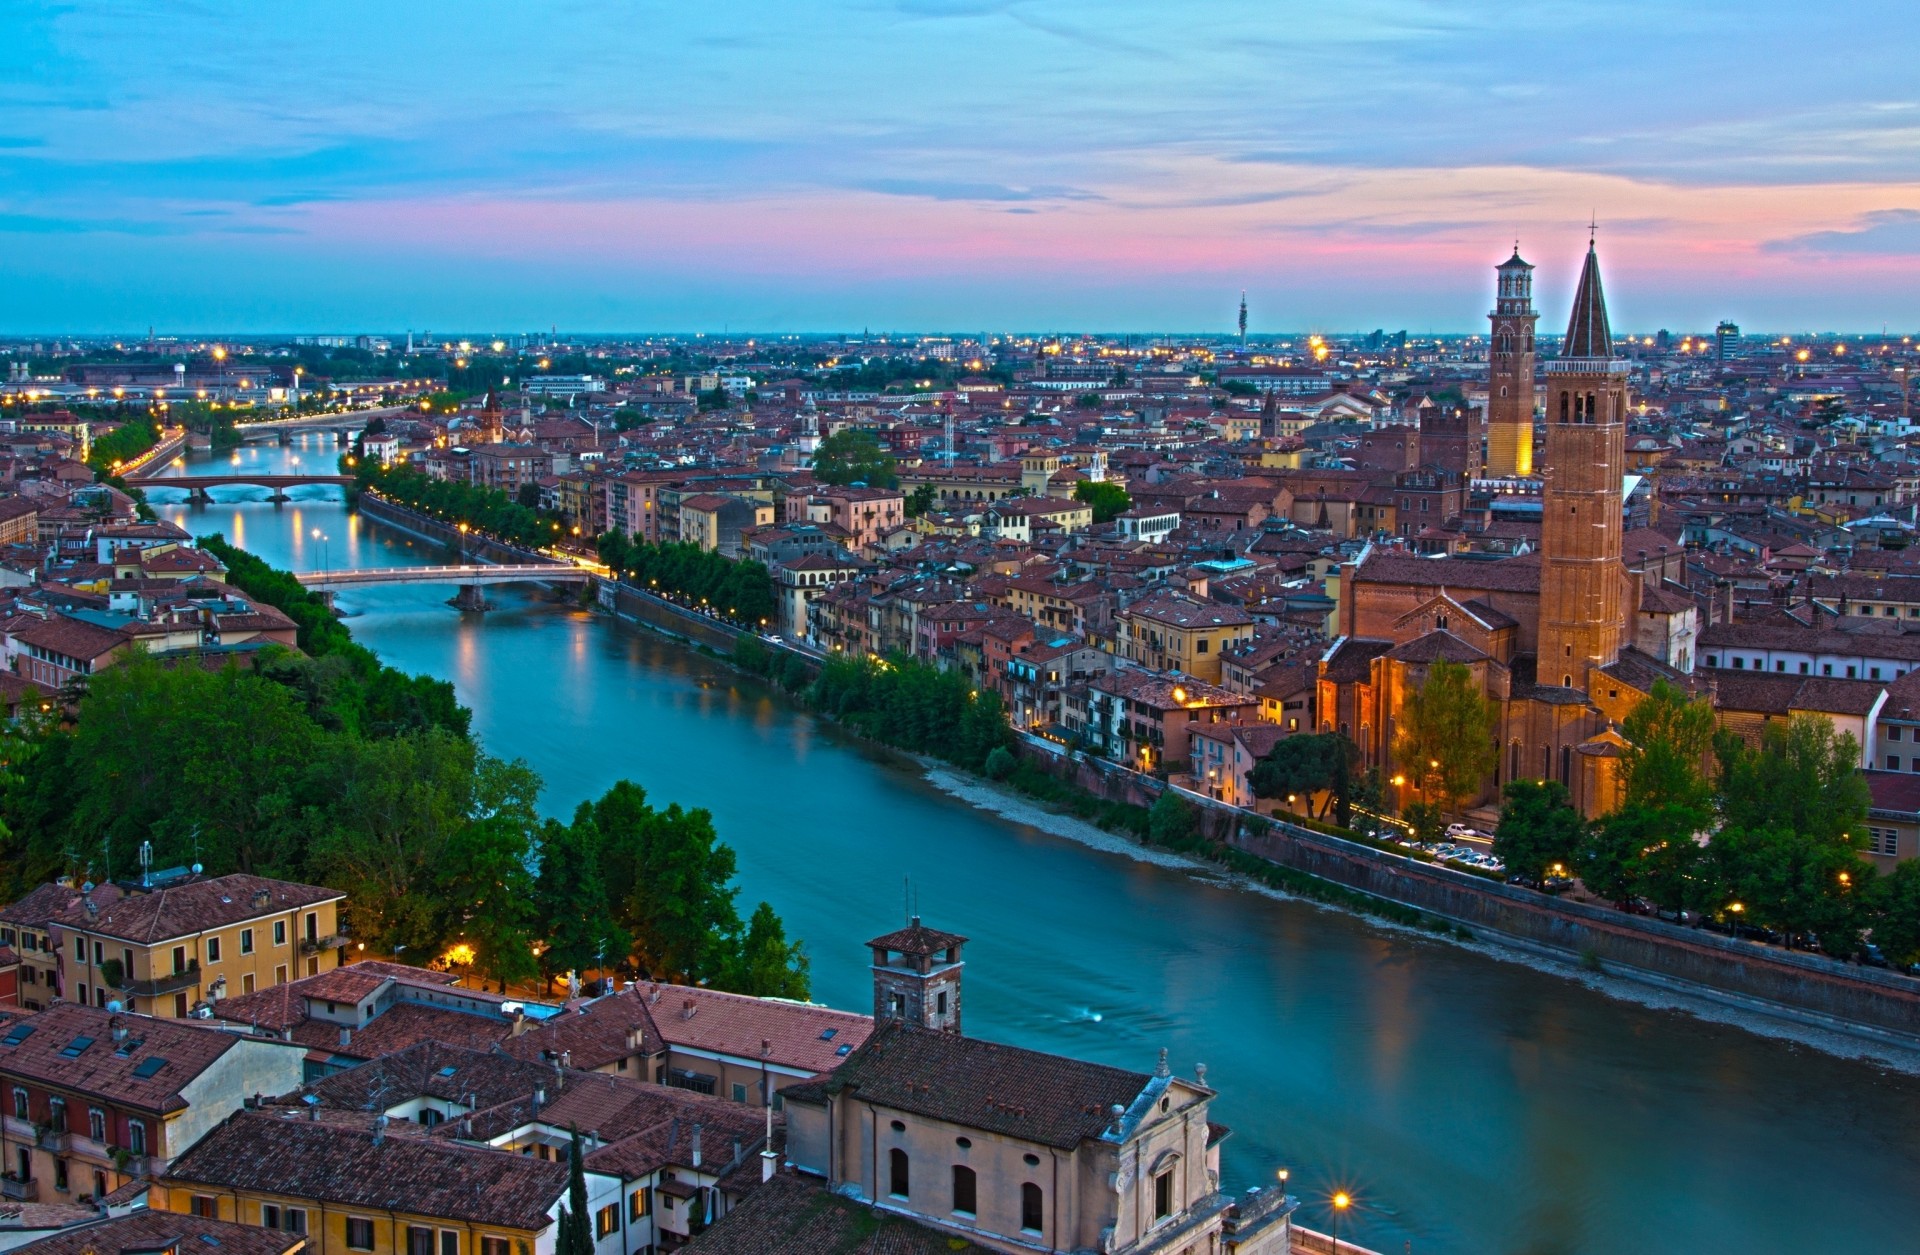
[(1564, 640)]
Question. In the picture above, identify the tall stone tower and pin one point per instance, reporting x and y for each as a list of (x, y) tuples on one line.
[(1510, 372), (1582, 620), (493, 420), (916, 977)]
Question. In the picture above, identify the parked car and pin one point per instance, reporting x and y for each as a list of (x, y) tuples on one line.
[(1870, 956)]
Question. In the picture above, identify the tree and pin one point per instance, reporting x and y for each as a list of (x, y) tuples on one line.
[(1428, 821), (1107, 498), (576, 1226), (920, 501), (853, 455), (1895, 903), (1445, 736), (768, 965), (1796, 883), (1172, 821), (1803, 777), (571, 906), (1669, 738), (1539, 828), (485, 886), (1308, 764)]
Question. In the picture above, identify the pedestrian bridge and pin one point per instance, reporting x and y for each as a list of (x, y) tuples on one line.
[(467, 574)]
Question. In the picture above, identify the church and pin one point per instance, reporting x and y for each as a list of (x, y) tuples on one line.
[(1564, 640)]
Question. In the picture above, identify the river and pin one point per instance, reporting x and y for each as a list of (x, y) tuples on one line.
[(1470, 1104)]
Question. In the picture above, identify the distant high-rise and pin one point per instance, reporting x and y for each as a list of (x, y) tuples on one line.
[(1726, 342), (1243, 317), (1510, 372), (1582, 621)]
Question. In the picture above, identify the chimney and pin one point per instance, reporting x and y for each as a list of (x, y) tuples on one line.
[(696, 1145), (686, 1011), (768, 1159), (346, 1038), (539, 1097)]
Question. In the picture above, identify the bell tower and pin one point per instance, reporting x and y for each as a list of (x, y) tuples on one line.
[(1582, 620), (916, 977), (1510, 371)]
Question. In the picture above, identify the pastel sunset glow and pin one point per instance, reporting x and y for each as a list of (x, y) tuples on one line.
[(950, 164)]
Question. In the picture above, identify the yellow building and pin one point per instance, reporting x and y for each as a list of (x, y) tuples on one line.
[(1171, 632), (367, 1187), (166, 949)]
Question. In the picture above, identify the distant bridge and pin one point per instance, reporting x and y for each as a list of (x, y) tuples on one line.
[(196, 485), (470, 574)]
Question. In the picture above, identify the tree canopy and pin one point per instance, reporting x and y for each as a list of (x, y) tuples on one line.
[(853, 455), (1107, 498), (1444, 738)]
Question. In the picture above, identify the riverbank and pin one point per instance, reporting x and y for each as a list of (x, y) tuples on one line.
[(1853, 1013)]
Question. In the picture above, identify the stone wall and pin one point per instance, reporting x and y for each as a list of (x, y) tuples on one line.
[(1807, 987)]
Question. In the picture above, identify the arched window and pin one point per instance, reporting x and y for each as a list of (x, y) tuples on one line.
[(1033, 1208), (1563, 407), (1515, 755), (897, 1172), (1566, 765), (964, 1196)]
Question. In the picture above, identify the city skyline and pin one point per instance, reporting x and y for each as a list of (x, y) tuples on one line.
[(932, 165)]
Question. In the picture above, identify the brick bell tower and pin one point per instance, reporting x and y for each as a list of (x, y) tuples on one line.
[(1510, 372), (916, 977), (1582, 620)]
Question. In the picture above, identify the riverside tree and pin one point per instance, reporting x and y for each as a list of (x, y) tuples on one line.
[(1539, 828), (1445, 735)]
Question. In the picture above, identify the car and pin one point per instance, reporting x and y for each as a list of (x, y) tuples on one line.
[(1870, 956)]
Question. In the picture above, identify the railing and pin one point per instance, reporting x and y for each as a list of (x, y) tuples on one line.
[(159, 985), (20, 1191), (333, 941)]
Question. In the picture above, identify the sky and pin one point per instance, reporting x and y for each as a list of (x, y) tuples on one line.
[(207, 166)]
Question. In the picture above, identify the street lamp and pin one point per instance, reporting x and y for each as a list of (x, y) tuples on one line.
[(1734, 909), (1341, 1201), (323, 538)]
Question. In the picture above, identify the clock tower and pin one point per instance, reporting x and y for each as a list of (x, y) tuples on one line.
[(1510, 372)]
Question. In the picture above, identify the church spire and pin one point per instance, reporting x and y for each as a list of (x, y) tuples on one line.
[(1588, 335)]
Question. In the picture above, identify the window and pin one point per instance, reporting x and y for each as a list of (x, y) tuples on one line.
[(639, 1204), (246, 941), (96, 1124), (60, 1175), (897, 1173), (940, 1002), (360, 1234), (964, 1194), (80, 950), (207, 1207), (179, 960), (605, 1221), (449, 1242), (180, 1006), (294, 1220), (279, 932), (419, 1240), (280, 974), (1163, 1195), (19, 1103), (137, 1136), (313, 926), (493, 1246), (213, 949), (246, 982), (1893, 762), (269, 1216), (1893, 734)]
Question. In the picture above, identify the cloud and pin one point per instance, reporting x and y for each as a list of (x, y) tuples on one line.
[(940, 189), (1883, 233)]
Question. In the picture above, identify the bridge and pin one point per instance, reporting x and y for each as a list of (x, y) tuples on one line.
[(469, 576), (196, 486), (284, 429)]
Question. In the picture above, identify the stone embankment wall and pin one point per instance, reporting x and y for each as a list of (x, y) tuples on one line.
[(477, 548), (1811, 988)]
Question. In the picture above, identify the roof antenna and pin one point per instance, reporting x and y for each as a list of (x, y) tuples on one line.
[(906, 896)]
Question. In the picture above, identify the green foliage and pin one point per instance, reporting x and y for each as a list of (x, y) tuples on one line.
[(1803, 777), (575, 1235), (344, 686), (920, 501), (741, 590), (913, 706), (1172, 821), (1107, 498), (1538, 829), (1894, 903), (1306, 764), (768, 965), (1426, 819), (485, 510), (1000, 763), (1669, 740), (123, 444), (1445, 736), (853, 455)]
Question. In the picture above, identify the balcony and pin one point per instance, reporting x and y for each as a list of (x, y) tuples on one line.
[(313, 945), (48, 1138), (27, 1191), (189, 978)]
